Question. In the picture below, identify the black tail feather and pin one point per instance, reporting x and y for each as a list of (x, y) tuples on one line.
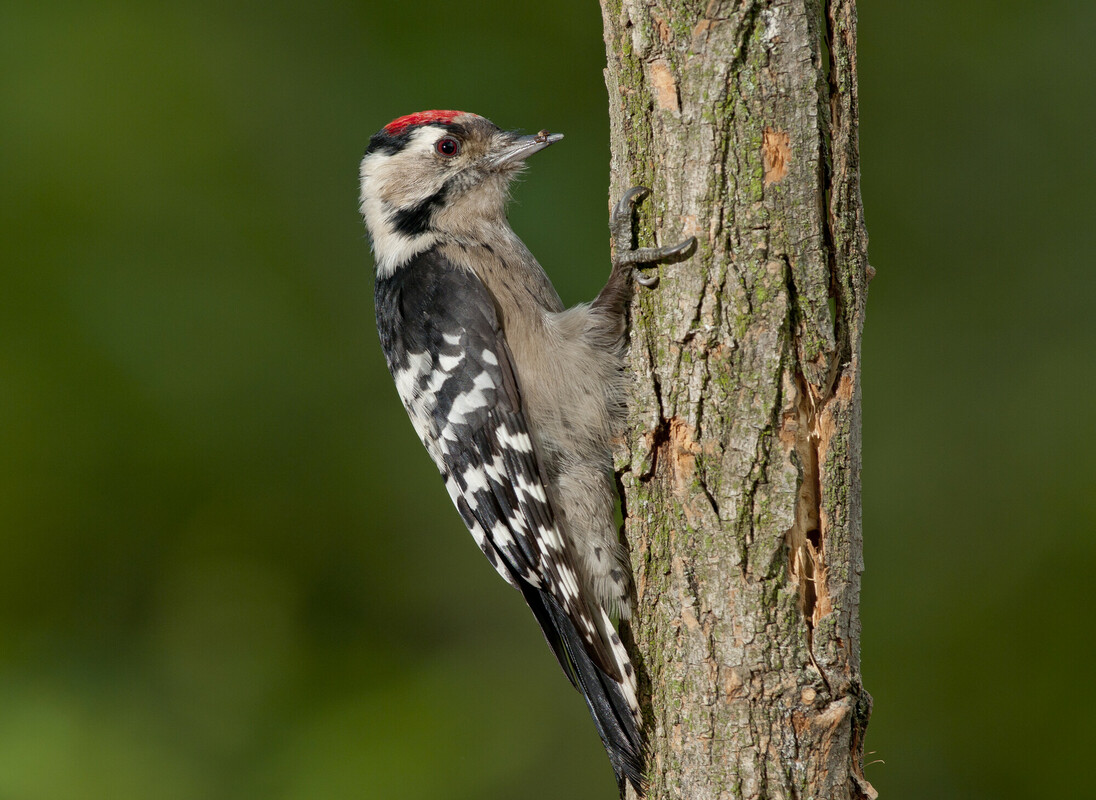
[(605, 698)]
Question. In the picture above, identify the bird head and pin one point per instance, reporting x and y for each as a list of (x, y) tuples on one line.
[(434, 174)]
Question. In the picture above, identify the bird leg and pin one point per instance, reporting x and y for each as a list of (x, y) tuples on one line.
[(627, 257)]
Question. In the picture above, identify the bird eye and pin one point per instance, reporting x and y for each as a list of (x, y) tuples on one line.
[(448, 147)]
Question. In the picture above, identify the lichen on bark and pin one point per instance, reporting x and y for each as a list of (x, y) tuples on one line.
[(740, 470)]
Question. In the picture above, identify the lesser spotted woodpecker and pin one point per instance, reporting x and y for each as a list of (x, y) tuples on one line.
[(515, 398)]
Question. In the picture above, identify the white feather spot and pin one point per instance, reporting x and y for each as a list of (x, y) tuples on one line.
[(483, 381), (449, 363), (518, 441), (477, 534), (567, 582), (475, 479), (591, 631), (467, 402), (406, 382), (532, 578), (407, 379), (501, 535), (624, 664), (551, 538), (534, 490), (435, 382)]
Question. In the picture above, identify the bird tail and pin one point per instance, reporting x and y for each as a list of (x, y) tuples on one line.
[(611, 700)]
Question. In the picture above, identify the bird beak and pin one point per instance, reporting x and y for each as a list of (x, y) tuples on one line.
[(521, 147)]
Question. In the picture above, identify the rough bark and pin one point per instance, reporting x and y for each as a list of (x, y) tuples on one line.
[(741, 468)]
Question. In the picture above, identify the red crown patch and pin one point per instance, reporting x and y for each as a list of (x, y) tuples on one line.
[(398, 126)]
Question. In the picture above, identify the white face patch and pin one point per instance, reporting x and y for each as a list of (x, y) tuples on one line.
[(394, 181)]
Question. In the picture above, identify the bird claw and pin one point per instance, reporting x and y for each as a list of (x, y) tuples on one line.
[(629, 256), (622, 212)]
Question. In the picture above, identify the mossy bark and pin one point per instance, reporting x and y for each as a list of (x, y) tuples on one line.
[(741, 468)]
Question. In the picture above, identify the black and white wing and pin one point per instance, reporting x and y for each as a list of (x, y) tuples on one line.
[(448, 355)]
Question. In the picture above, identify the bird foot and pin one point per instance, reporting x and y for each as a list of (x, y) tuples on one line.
[(623, 230)]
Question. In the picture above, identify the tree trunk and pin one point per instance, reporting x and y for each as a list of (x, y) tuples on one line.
[(741, 469)]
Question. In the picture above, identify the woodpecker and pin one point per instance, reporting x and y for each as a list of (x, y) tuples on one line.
[(514, 397)]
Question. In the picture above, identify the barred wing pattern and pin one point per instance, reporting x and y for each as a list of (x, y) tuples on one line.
[(452, 367)]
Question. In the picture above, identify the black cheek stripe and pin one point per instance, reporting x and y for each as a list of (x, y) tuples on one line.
[(415, 221)]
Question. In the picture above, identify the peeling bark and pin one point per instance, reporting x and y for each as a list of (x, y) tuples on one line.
[(741, 469)]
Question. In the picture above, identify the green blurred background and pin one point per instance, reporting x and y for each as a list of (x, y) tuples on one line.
[(228, 570)]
